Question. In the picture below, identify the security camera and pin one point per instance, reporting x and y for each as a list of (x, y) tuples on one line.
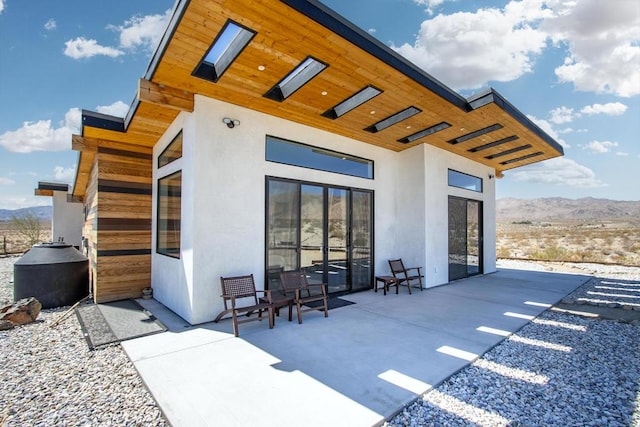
[(231, 123)]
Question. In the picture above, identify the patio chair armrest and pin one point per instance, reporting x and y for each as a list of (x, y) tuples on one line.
[(414, 268), (231, 298), (267, 294), (323, 287)]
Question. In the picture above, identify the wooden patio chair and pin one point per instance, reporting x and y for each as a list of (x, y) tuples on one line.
[(403, 276), (295, 283), (240, 293)]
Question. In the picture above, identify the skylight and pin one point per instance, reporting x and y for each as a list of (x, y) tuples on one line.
[(392, 120), (352, 102), (308, 69), (506, 153), (225, 49), (493, 144), (539, 153), (475, 134), (425, 132)]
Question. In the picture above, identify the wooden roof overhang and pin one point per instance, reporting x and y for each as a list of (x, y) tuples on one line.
[(484, 128), (47, 188)]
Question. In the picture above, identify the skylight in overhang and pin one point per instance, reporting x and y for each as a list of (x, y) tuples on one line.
[(507, 152), (393, 119), (229, 43), (305, 71), (493, 144), (539, 153), (352, 102), (425, 132), (475, 134)]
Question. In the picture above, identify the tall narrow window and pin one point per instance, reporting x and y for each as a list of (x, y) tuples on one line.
[(169, 214)]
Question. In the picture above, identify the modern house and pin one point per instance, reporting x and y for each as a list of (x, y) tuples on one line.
[(271, 135), (67, 218)]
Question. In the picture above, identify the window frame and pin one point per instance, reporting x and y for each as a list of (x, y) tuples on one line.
[(164, 249), (175, 138), (370, 174), (462, 174)]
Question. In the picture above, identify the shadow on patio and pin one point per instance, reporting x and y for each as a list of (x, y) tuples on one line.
[(357, 367)]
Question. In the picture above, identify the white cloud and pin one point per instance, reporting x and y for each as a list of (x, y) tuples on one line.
[(603, 45), (80, 47), (143, 31), (43, 135), (1, 5), (63, 174), (50, 24), (622, 154), (430, 4), (548, 129), (611, 109), (558, 171), (19, 202), (562, 115), (466, 50), (600, 147), (565, 130), (118, 109), (6, 181), (372, 30)]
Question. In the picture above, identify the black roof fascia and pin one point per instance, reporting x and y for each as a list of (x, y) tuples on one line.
[(178, 11), (320, 13), (55, 186), (491, 96), (102, 121)]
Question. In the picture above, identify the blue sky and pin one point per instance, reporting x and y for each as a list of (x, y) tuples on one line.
[(573, 67)]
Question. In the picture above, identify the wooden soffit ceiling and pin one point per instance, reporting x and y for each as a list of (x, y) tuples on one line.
[(485, 128)]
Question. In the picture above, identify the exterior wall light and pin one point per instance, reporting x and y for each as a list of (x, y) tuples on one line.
[(231, 123)]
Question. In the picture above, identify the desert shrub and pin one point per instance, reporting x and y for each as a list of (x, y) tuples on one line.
[(552, 253)]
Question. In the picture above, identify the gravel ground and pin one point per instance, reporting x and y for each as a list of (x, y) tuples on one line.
[(50, 378), (559, 370)]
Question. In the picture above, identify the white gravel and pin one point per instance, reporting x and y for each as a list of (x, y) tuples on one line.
[(50, 378), (559, 370)]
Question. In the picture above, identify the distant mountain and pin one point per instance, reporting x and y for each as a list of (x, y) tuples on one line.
[(42, 212), (556, 208)]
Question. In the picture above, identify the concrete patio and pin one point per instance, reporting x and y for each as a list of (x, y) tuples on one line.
[(357, 367)]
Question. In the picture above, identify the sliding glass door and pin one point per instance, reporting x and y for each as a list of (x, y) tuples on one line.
[(465, 238), (323, 230)]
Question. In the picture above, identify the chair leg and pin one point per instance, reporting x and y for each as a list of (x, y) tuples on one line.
[(235, 323), (299, 312), (326, 309), (271, 317), (290, 311)]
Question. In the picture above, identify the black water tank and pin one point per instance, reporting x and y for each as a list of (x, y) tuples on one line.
[(56, 274)]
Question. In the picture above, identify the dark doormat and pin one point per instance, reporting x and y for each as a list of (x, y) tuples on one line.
[(331, 303), (117, 321)]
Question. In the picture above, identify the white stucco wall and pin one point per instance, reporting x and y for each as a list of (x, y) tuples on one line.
[(67, 221), (223, 202), (437, 163)]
